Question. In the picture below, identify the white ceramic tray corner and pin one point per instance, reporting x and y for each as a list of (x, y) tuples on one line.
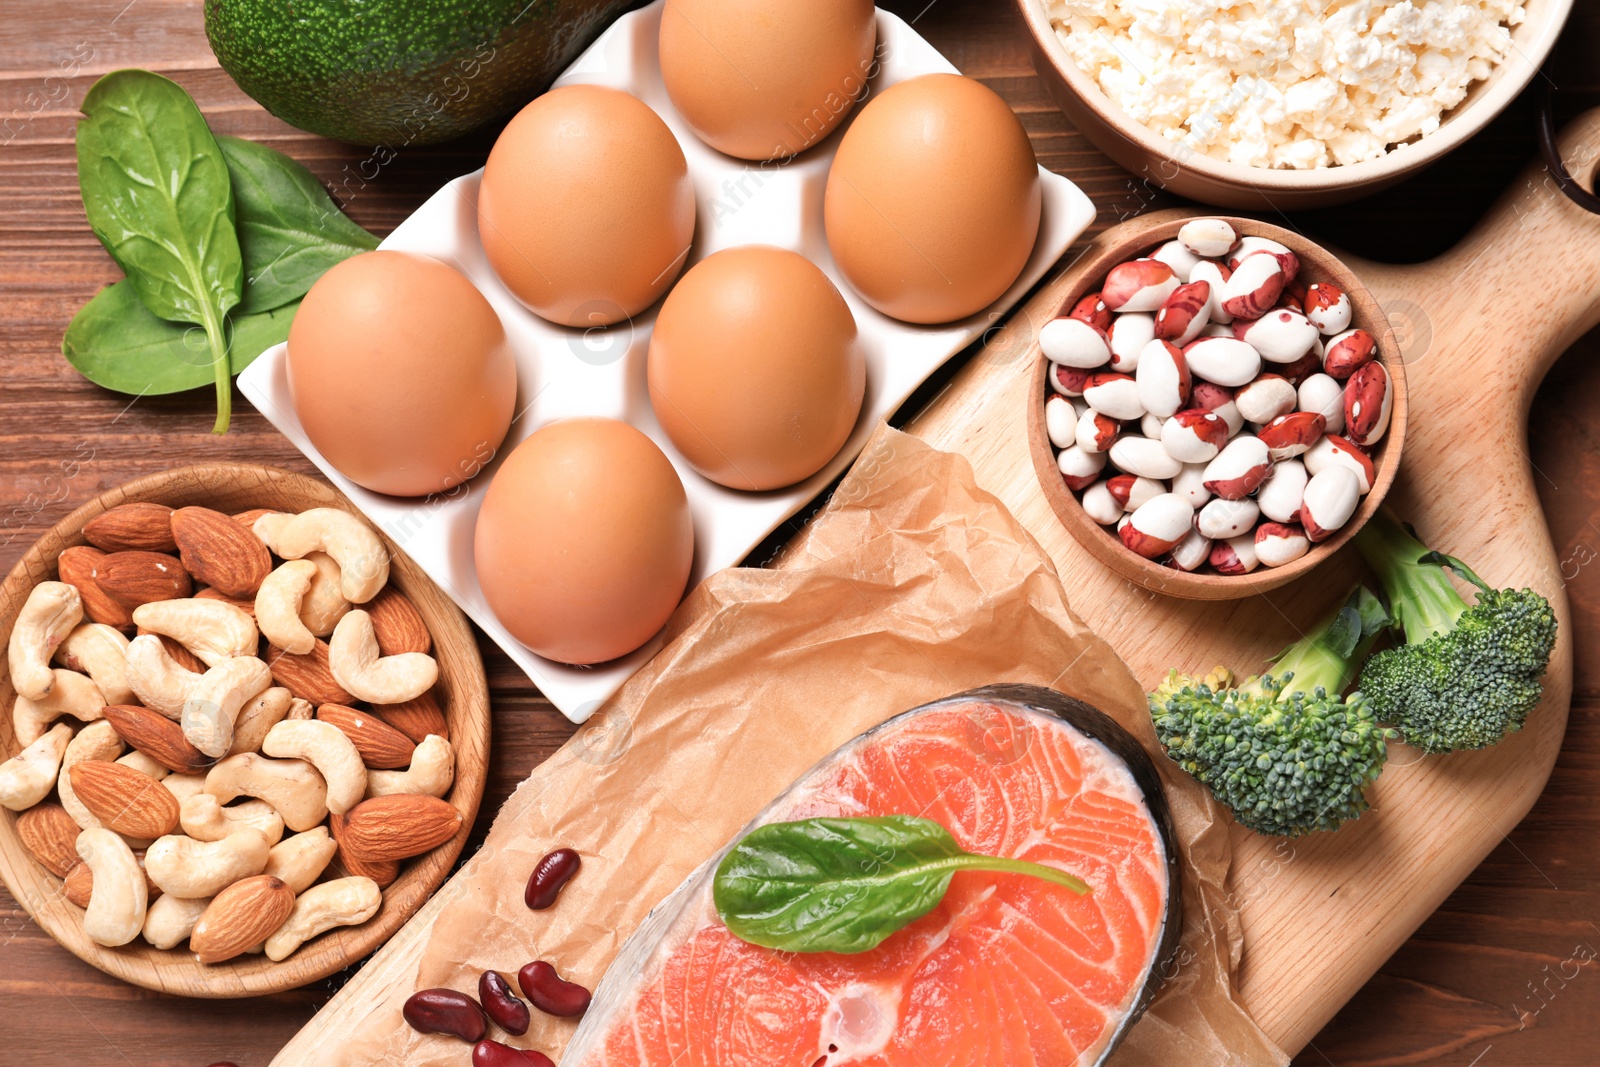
[(565, 372)]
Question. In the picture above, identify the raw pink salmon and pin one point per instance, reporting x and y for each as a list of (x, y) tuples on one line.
[(1008, 970)]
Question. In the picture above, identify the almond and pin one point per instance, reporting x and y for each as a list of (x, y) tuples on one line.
[(126, 801), (243, 603), (240, 917), (180, 655), (157, 737), (384, 872), (79, 883), (398, 624), (219, 552), (141, 526), (77, 566), (307, 676), (380, 745), (415, 718), (138, 577), (51, 835), (247, 519), (398, 827)]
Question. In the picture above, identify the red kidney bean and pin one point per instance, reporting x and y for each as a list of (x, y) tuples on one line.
[(549, 875), (551, 993), (494, 1054), (501, 1004), (445, 1011)]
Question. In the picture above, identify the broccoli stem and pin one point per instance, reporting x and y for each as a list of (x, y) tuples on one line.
[(1329, 656), (1422, 598)]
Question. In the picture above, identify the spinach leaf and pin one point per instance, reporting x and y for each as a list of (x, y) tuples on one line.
[(290, 230), (157, 193), (844, 885), (118, 343)]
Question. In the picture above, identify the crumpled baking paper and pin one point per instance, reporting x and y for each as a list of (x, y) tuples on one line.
[(912, 584)]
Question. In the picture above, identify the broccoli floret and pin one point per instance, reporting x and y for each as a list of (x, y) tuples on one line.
[(1467, 675), (1285, 754)]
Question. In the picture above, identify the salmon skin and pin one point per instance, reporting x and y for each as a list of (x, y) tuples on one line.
[(1007, 970)]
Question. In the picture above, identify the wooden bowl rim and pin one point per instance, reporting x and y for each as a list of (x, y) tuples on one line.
[(1127, 241), (462, 684), (1485, 101)]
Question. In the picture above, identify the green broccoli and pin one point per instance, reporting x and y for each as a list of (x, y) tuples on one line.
[(1467, 675), (1286, 760)]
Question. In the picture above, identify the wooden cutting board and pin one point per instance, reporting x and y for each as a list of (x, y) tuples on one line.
[(1479, 327)]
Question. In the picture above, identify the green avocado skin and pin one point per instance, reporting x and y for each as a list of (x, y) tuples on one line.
[(400, 72)]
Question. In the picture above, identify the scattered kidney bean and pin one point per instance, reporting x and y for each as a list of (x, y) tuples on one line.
[(551, 993), (501, 1004), (445, 1011), (549, 875), (493, 1054)]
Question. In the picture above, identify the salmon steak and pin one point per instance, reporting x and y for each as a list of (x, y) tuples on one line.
[(1006, 970)]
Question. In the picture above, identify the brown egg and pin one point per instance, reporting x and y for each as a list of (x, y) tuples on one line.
[(933, 201), (584, 541), (766, 79), (400, 373), (755, 369), (586, 209)]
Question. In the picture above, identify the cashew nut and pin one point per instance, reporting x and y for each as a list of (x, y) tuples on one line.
[(214, 630), (300, 859), (144, 765), (184, 786), (325, 747), (367, 674), (212, 706), (324, 604), (117, 903), (97, 741), (27, 777), (188, 868), (341, 902), (278, 607), (157, 679), (70, 694), (355, 547), (170, 920), (203, 818), (293, 787), (433, 768), (47, 617), (259, 716), (300, 709), (101, 652), (269, 525)]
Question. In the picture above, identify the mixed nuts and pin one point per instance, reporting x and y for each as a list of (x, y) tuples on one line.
[(236, 717)]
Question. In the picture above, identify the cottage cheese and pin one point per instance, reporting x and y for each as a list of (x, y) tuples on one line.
[(1287, 83)]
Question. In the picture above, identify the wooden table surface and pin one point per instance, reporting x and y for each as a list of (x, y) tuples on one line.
[(1503, 973)]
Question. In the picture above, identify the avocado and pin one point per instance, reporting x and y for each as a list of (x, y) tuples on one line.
[(399, 72)]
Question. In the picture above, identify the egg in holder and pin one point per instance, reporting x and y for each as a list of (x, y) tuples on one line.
[(602, 370)]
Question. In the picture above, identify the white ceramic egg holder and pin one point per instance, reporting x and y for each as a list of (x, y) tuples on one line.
[(566, 372)]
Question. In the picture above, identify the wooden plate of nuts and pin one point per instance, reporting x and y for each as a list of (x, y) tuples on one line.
[(247, 737), (1219, 405)]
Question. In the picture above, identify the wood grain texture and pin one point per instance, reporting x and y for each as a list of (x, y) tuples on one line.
[(461, 690), (1461, 988)]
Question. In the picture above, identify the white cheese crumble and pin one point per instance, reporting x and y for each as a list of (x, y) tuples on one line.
[(1287, 83)]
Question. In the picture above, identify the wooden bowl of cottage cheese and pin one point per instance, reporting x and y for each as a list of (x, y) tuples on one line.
[(1254, 109)]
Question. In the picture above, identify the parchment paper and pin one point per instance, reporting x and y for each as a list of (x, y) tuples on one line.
[(912, 584)]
